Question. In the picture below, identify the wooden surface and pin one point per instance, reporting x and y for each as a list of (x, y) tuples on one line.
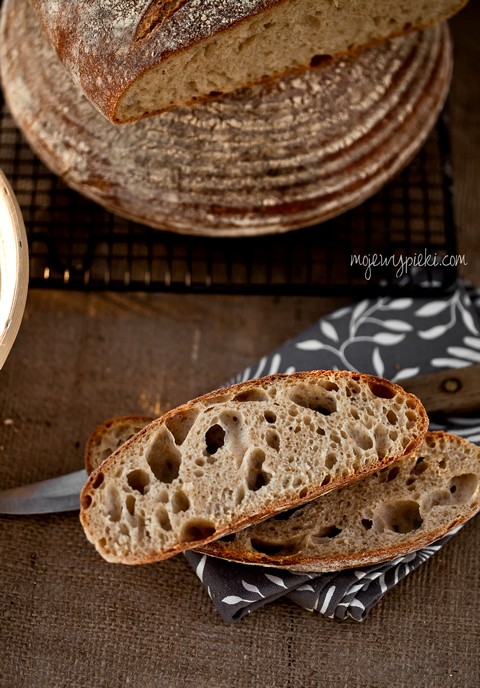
[(70, 619)]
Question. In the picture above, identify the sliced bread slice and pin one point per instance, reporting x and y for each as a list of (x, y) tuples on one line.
[(394, 511), (241, 454)]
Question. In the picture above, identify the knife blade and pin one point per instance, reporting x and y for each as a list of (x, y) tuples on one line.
[(454, 391), (45, 497)]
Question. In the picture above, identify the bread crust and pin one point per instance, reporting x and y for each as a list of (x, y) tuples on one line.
[(307, 494), (105, 52)]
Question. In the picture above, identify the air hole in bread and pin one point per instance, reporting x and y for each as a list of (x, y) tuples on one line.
[(402, 516), (314, 399), (326, 480), (303, 492), (162, 518), (240, 495), (420, 466), (270, 416), (180, 502), (381, 391), (273, 439), (113, 503), (197, 529), (463, 487), (274, 548), (214, 439), (442, 463), (198, 473), (98, 480), (327, 532), (230, 537), (86, 501), (181, 424), (285, 515), (361, 438), (320, 431), (392, 474), (392, 417), (251, 395), (257, 478), (328, 385), (163, 457), (130, 504), (138, 480), (367, 523), (330, 461)]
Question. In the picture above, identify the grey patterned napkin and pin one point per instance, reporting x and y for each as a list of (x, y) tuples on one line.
[(394, 338)]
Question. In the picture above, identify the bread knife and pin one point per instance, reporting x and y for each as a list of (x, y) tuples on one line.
[(454, 391)]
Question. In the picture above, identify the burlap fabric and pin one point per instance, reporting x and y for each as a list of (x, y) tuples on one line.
[(70, 619)]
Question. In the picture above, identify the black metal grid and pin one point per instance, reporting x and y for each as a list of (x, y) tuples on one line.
[(75, 244)]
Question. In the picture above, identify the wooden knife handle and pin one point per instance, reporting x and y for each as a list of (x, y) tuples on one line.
[(448, 392)]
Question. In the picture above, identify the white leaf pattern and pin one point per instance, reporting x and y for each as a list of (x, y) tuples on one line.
[(340, 313), (309, 345), (433, 332), (468, 321), (328, 330), (400, 304), (397, 325), (359, 309), (251, 588), (449, 363), (201, 567), (405, 374), (432, 308), (387, 338), (377, 361), (234, 599), (276, 579), (275, 364), (461, 352), (472, 342)]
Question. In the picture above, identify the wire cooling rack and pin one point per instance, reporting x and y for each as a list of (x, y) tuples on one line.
[(75, 244)]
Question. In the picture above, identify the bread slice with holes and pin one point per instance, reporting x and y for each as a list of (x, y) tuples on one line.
[(399, 509), (394, 511), (241, 454)]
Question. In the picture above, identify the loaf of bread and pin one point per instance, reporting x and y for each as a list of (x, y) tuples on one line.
[(241, 454), (134, 59), (262, 160), (392, 512)]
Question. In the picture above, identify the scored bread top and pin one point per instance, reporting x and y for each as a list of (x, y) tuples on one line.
[(394, 511), (241, 454), (135, 58)]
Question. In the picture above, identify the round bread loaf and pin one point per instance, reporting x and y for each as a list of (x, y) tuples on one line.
[(262, 160)]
